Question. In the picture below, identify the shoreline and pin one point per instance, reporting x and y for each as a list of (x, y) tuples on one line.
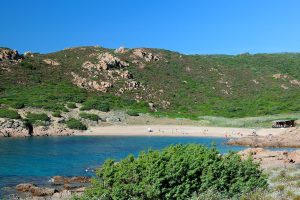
[(176, 131)]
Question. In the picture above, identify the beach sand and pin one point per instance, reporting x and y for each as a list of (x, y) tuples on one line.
[(177, 130)]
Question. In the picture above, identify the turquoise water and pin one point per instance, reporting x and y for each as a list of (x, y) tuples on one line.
[(37, 159)]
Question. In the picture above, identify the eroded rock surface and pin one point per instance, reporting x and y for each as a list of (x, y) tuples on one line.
[(272, 159), (61, 188), (13, 128), (289, 137), (9, 54), (144, 54)]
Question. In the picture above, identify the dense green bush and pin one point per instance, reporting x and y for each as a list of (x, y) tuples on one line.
[(7, 113), (89, 116), (132, 113), (95, 104), (71, 105), (56, 114), (75, 124), (18, 105), (34, 118), (177, 172)]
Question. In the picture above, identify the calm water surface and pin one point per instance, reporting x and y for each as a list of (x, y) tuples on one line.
[(36, 159)]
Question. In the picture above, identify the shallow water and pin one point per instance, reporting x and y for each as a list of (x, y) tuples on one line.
[(37, 159)]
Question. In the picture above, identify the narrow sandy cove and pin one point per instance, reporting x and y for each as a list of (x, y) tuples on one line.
[(178, 130)]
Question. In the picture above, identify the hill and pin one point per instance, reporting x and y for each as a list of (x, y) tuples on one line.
[(152, 80)]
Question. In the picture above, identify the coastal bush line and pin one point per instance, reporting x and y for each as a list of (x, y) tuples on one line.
[(176, 172)]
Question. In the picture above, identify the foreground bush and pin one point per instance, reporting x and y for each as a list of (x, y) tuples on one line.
[(11, 114), (89, 116), (177, 172), (76, 124)]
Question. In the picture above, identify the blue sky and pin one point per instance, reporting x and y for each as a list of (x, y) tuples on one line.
[(187, 26)]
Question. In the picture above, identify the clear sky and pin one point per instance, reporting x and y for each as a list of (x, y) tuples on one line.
[(187, 26)]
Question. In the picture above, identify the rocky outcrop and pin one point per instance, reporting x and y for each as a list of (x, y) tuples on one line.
[(272, 159), (61, 188), (290, 137), (101, 86), (61, 180), (17, 128), (34, 190), (13, 128), (51, 62), (108, 61), (144, 54), (9, 55), (51, 131), (120, 50)]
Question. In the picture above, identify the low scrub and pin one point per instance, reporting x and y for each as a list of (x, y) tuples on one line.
[(18, 105), (132, 113), (177, 172), (35, 118), (76, 124), (71, 105), (56, 114), (89, 116), (11, 114), (95, 104)]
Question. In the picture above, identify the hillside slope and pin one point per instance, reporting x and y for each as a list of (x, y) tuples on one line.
[(153, 80)]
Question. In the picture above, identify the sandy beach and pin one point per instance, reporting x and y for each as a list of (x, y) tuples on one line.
[(177, 130)]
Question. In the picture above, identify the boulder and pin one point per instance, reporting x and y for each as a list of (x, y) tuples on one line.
[(152, 107)]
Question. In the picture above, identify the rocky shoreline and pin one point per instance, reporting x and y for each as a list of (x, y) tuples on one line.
[(60, 188), (17, 128), (289, 138)]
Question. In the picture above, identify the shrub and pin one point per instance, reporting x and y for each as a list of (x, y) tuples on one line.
[(95, 104), (89, 116), (71, 105), (132, 113), (176, 172), (56, 114), (76, 124), (11, 114), (18, 105), (34, 118)]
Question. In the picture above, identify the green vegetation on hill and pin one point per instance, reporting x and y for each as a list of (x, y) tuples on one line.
[(193, 85), (37, 118), (89, 116), (177, 172), (7, 113)]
